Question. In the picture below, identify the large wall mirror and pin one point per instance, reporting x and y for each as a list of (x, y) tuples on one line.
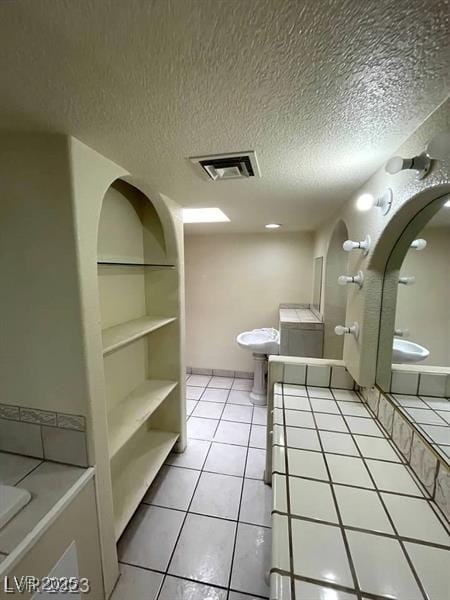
[(414, 348)]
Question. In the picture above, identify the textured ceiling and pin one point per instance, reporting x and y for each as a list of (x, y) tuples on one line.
[(322, 90)]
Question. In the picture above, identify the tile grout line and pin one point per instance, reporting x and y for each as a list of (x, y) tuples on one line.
[(239, 510), (166, 573), (184, 519), (288, 497), (237, 521), (182, 578), (391, 522), (338, 511)]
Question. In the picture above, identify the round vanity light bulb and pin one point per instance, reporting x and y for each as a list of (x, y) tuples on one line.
[(349, 245), (394, 165), (408, 280), (365, 202), (343, 280), (272, 226), (419, 244), (340, 330)]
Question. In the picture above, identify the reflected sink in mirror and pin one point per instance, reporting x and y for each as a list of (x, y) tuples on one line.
[(404, 351), (12, 499)]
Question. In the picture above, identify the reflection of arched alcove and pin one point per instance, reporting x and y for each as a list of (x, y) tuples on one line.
[(139, 309), (335, 296), (420, 209)]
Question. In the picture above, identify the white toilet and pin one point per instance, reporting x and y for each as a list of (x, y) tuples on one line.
[(261, 342)]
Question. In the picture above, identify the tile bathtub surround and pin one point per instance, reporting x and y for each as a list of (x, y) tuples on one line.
[(43, 434), (360, 524), (203, 529)]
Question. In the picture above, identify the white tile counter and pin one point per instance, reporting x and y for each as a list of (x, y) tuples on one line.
[(350, 519), (301, 331)]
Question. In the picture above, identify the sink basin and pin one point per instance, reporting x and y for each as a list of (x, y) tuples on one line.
[(12, 499), (408, 352), (260, 341)]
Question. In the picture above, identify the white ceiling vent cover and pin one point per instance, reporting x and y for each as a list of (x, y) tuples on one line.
[(237, 165)]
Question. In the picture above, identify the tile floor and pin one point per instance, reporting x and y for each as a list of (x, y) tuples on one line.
[(203, 528), (431, 416), (352, 519)]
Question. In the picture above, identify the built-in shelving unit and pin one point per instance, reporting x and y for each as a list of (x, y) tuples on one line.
[(119, 335), (127, 416), (138, 282), (134, 470)]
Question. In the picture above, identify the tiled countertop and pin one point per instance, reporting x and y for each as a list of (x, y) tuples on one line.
[(298, 316), (430, 416), (48, 483), (350, 519)]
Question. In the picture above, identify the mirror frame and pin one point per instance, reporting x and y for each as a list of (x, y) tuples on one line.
[(318, 264), (390, 287)]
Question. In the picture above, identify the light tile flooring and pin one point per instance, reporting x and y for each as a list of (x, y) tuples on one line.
[(355, 518), (203, 531), (431, 416)]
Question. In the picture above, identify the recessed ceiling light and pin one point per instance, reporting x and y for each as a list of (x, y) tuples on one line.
[(447, 204), (272, 226), (204, 215)]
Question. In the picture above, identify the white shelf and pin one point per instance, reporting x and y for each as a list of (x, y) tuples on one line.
[(139, 463), (120, 335), (127, 416)]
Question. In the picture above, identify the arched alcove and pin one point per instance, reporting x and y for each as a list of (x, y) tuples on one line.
[(139, 305), (335, 296)]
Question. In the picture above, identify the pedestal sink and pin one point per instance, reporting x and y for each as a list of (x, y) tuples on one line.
[(404, 351), (260, 342)]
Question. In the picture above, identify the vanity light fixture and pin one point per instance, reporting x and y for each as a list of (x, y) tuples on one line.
[(420, 164), (407, 280), (204, 215), (273, 226), (358, 279), (384, 202), (419, 244), (437, 149), (364, 245), (342, 330)]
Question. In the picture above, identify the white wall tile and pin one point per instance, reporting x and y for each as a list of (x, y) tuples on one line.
[(295, 374), (404, 382), (433, 384), (341, 378), (318, 375)]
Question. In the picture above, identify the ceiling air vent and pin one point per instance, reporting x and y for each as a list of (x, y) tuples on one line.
[(239, 165)]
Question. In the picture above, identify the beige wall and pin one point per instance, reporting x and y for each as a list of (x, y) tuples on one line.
[(235, 283), (424, 307)]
